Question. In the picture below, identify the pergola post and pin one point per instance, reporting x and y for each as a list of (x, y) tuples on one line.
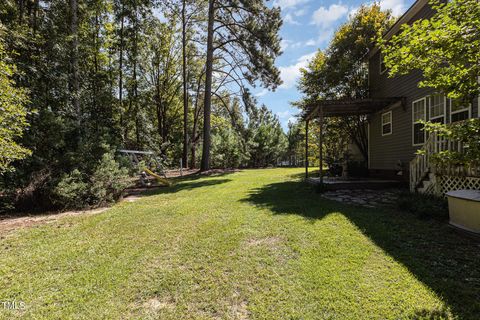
[(306, 149), (320, 119)]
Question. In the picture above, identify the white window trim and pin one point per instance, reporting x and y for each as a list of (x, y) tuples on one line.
[(469, 109), (380, 64), (444, 116), (391, 123), (413, 122)]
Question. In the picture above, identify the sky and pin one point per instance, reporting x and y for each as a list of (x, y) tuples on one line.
[(308, 25)]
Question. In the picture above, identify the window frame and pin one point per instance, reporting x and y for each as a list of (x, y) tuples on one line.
[(444, 115), (380, 64), (390, 123), (415, 122), (469, 109)]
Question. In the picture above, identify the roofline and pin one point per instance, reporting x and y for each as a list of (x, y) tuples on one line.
[(406, 17)]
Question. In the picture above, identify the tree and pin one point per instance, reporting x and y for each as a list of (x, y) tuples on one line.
[(444, 47), (12, 114), (340, 72), (242, 36), (266, 140)]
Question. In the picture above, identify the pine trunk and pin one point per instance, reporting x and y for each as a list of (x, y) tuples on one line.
[(205, 165), (184, 79)]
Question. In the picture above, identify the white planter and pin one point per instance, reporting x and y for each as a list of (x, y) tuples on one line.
[(464, 209)]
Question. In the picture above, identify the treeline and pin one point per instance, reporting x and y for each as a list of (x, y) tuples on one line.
[(82, 79)]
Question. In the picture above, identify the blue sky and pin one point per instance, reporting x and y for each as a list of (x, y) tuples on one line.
[(308, 25)]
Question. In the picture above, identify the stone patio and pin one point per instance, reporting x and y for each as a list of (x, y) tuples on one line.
[(365, 197)]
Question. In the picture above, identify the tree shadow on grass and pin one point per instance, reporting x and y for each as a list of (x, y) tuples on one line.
[(184, 184), (444, 260)]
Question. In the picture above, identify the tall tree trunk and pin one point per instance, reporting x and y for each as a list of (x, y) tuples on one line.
[(184, 79), (205, 165), (120, 72), (74, 59)]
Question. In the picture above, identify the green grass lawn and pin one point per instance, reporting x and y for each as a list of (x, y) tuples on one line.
[(255, 244)]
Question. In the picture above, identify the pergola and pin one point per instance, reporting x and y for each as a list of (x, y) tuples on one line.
[(342, 108)]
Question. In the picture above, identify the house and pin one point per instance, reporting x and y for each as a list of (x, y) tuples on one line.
[(394, 108)]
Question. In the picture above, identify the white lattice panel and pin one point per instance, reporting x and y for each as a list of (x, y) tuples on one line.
[(449, 183)]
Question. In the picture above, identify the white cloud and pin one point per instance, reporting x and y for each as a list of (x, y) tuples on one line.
[(326, 17), (324, 36), (261, 93), (284, 4), (284, 44), (292, 120), (284, 114), (398, 7), (290, 74), (299, 12), (290, 19)]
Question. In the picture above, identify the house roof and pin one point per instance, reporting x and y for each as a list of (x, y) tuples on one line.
[(405, 18), (339, 108)]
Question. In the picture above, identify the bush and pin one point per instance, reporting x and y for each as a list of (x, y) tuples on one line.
[(71, 191), (108, 181), (423, 206), (105, 185)]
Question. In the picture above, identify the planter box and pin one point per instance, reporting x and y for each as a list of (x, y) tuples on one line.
[(464, 209)]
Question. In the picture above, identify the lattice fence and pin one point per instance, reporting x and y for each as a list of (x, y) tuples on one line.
[(444, 183)]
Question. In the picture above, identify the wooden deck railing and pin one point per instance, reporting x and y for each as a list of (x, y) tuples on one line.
[(421, 165)]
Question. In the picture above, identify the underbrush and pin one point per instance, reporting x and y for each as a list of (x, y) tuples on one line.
[(423, 206)]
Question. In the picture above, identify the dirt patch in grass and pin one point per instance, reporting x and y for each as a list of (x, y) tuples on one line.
[(268, 241), (238, 310), (9, 224), (156, 304)]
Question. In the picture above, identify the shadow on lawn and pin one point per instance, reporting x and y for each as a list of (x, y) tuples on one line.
[(447, 262), (185, 184)]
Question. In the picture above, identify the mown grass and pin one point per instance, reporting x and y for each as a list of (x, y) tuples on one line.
[(256, 244)]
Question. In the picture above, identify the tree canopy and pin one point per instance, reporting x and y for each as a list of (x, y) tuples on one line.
[(340, 72), (444, 47), (92, 77)]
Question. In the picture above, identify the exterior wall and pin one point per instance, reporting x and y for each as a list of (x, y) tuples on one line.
[(386, 151)]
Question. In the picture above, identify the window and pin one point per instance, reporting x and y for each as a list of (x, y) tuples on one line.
[(383, 67), (418, 114), (437, 108), (387, 123), (459, 110)]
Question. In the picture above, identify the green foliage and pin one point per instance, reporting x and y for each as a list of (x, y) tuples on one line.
[(227, 149), (113, 77), (423, 206), (72, 191), (266, 139), (465, 132), (13, 113), (444, 47), (340, 72), (103, 186)]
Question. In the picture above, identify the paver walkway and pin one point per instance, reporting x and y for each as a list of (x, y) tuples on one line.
[(365, 197)]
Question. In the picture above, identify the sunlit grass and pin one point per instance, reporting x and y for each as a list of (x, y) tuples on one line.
[(255, 244)]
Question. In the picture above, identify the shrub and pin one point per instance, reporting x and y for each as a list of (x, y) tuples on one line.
[(423, 206), (108, 181), (105, 185), (71, 191)]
